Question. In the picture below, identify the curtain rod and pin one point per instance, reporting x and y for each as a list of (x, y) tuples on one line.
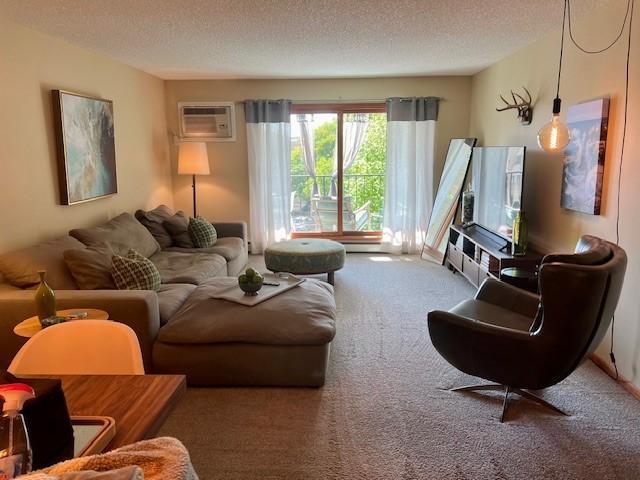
[(355, 100), (350, 100), (343, 100)]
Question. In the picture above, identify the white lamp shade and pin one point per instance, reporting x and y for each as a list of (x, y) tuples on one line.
[(193, 159)]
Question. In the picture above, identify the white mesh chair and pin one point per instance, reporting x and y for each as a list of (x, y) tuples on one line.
[(80, 347)]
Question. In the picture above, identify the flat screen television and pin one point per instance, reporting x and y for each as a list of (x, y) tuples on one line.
[(496, 180)]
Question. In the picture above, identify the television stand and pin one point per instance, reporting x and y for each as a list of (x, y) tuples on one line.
[(479, 254)]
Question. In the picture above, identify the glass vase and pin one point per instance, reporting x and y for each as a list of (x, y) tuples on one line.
[(519, 239), (45, 298), (468, 200)]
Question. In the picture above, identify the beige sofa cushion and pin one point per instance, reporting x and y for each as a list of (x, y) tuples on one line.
[(228, 247), (152, 221), (178, 228), (194, 268), (304, 315), (171, 297), (122, 232), (20, 267), (91, 267)]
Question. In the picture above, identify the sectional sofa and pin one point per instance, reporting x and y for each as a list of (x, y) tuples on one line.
[(181, 271), (182, 327)]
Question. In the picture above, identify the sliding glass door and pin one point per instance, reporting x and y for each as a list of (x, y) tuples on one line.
[(338, 155)]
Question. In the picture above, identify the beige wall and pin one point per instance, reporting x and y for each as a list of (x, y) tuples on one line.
[(224, 195), (31, 64), (584, 77)]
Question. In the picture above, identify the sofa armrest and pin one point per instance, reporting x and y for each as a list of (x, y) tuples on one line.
[(135, 308), (232, 229)]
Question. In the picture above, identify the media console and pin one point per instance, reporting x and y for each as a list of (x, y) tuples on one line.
[(478, 254)]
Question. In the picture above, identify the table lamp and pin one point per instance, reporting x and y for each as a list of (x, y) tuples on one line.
[(193, 160)]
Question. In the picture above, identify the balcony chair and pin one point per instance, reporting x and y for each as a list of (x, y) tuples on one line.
[(523, 341), (325, 212)]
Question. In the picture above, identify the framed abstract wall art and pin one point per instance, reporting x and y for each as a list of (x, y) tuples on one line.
[(584, 156), (86, 147)]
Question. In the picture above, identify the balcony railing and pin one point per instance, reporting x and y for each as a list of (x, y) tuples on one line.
[(363, 191)]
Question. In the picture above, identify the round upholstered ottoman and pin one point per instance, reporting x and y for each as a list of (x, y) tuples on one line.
[(305, 256)]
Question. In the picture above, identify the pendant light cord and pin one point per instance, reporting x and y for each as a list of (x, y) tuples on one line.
[(593, 52), (628, 15), (564, 17)]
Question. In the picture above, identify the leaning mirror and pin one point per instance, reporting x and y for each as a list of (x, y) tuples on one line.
[(447, 198)]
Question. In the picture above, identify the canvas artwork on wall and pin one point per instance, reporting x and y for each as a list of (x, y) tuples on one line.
[(86, 147), (584, 156)]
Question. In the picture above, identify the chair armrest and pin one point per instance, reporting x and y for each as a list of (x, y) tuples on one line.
[(481, 349), (440, 318), (135, 308), (364, 208), (508, 297), (232, 229)]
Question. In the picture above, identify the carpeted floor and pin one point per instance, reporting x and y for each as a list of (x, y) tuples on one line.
[(385, 411)]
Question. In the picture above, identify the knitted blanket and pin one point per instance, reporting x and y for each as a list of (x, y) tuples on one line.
[(155, 459)]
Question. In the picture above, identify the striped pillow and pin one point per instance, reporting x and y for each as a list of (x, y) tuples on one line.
[(202, 233), (134, 272)]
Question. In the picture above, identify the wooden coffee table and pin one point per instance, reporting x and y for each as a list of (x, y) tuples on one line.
[(139, 403)]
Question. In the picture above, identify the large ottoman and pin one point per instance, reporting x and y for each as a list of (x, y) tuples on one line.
[(306, 256), (283, 341)]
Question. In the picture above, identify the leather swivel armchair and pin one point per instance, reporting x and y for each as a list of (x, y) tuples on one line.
[(523, 341)]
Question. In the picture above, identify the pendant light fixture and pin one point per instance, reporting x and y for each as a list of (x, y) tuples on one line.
[(554, 136)]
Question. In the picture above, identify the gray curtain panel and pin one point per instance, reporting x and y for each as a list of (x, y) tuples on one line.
[(412, 109), (267, 111)]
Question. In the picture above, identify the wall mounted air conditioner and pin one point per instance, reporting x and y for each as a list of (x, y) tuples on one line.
[(207, 121)]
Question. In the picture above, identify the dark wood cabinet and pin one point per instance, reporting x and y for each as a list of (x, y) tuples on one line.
[(479, 254)]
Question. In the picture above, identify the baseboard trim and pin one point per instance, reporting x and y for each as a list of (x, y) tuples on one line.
[(610, 370)]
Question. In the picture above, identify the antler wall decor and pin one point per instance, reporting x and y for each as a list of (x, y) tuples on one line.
[(525, 110)]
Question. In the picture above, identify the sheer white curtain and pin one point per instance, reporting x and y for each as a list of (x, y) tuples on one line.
[(307, 143), (408, 198), (269, 148), (355, 131)]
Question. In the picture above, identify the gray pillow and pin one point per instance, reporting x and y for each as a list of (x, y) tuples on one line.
[(152, 220), (121, 230), (178, 228), (91, 267), (20, 267)]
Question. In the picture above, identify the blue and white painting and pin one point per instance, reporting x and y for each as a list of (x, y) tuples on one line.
[(89, 148), (584, 156)]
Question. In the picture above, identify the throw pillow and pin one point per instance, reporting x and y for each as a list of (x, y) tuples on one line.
[(135, 272), (178, 228), (202, 233), (123, 229), (153, 219), (91, 267), (20, 267)]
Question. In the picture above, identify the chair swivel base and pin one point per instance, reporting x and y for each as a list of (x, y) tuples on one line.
[(507, 390)]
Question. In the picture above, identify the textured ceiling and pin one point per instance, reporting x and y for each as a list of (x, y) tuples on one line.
[(297, 38)]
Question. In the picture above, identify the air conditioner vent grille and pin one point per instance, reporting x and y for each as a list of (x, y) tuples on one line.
[(207, 121), (204, 110)]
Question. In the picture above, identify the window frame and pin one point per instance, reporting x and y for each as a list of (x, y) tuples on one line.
[(340, 109)]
